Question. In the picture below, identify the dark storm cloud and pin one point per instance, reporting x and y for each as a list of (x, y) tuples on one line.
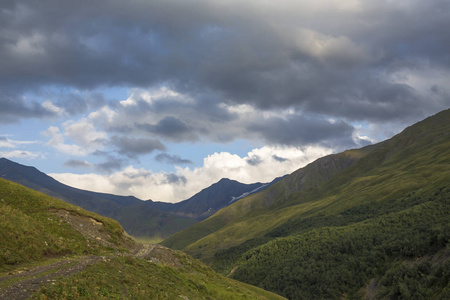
[(87, 44), (328, 58), (133, 147), (172, 159), (12, 109), (298, 130)]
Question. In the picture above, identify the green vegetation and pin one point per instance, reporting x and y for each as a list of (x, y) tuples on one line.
[(332, 261), (31, 231), (134, 278), (37, 230), (424, 279), (249, 218), (341, 223)]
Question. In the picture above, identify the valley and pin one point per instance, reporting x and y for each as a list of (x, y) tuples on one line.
[(225, 150), (368, 223), (146, 220)]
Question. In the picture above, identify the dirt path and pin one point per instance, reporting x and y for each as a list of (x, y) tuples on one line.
[(32, 280)]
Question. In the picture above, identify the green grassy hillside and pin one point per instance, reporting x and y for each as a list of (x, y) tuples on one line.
[(136, 278), (402, 183), (32, 228), (246, 218), (46, 240)]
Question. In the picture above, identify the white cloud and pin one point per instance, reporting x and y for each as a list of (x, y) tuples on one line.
[(267, 168), (84, 133), (5, 143), (18, 153), (48, 105), (272, 162), (327, 48), (150, 97), (21, 154), (57, 141), (91, 182), (8, 143)]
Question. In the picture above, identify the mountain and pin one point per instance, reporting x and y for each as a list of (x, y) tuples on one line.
[(365, 223), (54, 250), (138, 217), (211, 199), (306, 178), (145, 219), (39, 181)]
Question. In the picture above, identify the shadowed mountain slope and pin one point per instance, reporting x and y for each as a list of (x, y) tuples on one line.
[(211, 199)]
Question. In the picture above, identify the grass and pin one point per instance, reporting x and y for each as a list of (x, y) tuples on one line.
[(399, 174), (31, 235), (133, 278), (148, 240), (11, 281), (415, 159), (29, 231)]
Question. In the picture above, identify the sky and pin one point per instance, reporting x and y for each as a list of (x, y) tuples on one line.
[(160, 99)]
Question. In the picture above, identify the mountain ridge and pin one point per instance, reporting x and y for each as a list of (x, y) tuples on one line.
[(307, 177), (146, 219), (400, 183), (216, 196)]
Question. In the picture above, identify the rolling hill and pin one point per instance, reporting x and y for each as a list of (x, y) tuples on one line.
[(54, 250), (366, 223), (35, 226)]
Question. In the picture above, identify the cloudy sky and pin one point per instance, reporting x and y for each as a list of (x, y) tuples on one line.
[(160, 99)]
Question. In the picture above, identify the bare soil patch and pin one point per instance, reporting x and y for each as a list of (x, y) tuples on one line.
[(32, 280)]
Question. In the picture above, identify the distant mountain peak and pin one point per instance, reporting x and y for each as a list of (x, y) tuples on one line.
[(140, 218)]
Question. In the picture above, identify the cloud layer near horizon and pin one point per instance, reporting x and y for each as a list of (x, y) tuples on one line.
[(261, 165), (324, 74)]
